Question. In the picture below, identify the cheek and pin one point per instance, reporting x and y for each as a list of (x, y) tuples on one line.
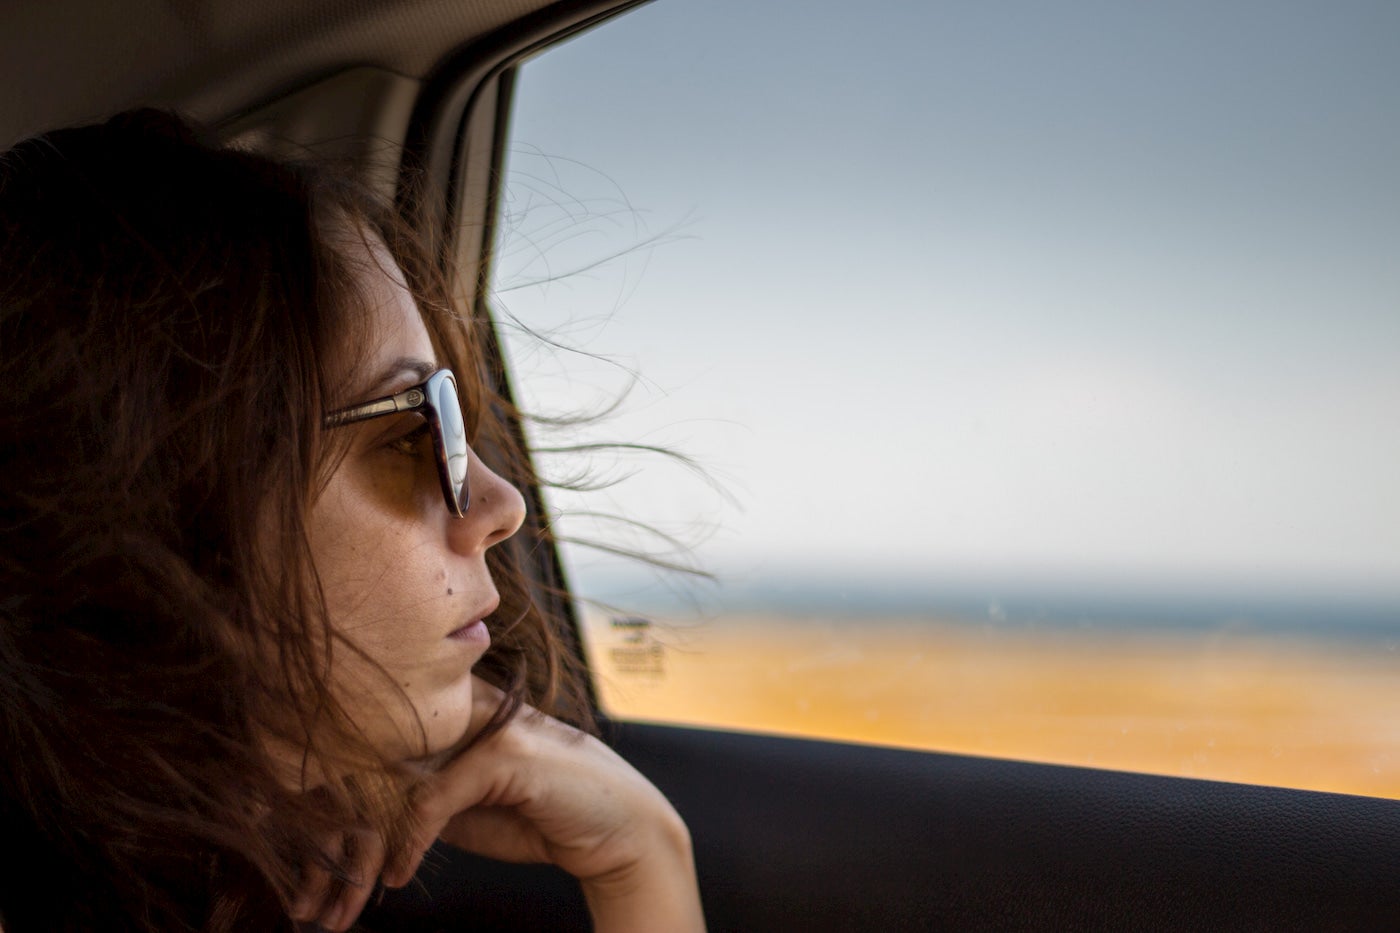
[(386, 596), (383, 582), (395, 618), (391, 592)]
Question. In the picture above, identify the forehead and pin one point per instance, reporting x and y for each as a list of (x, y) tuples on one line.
[(394, 328)]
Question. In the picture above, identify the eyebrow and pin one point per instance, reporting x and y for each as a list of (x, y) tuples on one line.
[(420, 368)]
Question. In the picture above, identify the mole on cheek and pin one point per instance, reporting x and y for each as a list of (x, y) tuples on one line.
[(449, 591)]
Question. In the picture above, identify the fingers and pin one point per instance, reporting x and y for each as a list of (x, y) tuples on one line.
[(367, 860), (316, 881), (536, 790), (438, 800), (336, 887), (336, 902), (404, 865)]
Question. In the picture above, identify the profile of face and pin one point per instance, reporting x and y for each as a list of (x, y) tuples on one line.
[(405, 581)]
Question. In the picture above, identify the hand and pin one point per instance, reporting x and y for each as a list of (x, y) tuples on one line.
[(541, 791)]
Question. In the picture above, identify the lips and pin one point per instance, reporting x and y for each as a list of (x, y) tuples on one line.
[(475, 630)]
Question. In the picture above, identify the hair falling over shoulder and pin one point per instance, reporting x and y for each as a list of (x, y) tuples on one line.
[(167, 312)]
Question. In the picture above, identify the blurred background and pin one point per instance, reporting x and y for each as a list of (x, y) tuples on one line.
[(1041, 368)]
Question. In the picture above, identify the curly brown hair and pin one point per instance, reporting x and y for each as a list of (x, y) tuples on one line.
[(167, 312)]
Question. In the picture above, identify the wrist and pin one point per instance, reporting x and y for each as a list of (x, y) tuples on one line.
[(657, 890)]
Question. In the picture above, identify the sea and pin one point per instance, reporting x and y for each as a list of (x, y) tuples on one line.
[(1010, 605)]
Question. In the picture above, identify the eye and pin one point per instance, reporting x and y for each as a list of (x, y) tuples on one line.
[(410, 443)]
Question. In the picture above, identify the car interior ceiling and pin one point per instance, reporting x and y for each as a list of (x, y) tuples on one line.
[(789, 834), (72, 61)]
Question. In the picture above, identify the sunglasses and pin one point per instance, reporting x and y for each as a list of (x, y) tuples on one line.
[(435, 398)]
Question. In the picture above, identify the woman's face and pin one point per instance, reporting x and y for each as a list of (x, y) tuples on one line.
[(405, 581)]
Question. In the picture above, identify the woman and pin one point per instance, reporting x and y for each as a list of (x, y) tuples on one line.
[(266, 633)]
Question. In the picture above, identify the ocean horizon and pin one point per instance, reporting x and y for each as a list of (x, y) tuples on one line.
[(1008, 605)]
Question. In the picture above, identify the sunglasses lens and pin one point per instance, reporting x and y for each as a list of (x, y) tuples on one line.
[(454, 439)]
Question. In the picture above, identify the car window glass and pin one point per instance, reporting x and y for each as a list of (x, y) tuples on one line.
[(1043, 365)]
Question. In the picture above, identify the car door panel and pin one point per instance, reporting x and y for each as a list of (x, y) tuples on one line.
[(794, 834)]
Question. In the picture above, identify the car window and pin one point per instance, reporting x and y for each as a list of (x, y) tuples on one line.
[(1041, 366)]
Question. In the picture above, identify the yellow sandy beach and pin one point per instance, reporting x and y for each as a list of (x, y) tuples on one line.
[(1232, 707)]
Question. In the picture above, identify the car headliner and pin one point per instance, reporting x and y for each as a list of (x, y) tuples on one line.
[(73, 61)]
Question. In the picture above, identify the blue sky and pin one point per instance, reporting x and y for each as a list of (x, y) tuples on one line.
[(1103, 291)]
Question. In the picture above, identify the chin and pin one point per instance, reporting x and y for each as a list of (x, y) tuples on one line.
[(446, 723)]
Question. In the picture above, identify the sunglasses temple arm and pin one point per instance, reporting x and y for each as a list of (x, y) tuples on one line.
[(408, 400)]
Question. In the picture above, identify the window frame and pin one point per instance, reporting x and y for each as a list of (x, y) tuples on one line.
[(450, 183)]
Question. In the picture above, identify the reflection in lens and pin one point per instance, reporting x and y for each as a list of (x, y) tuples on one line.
[(454, 437)]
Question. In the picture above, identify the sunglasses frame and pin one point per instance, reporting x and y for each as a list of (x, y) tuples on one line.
[(418, 398)]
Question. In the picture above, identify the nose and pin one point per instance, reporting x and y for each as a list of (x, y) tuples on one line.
[(496, 511)]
